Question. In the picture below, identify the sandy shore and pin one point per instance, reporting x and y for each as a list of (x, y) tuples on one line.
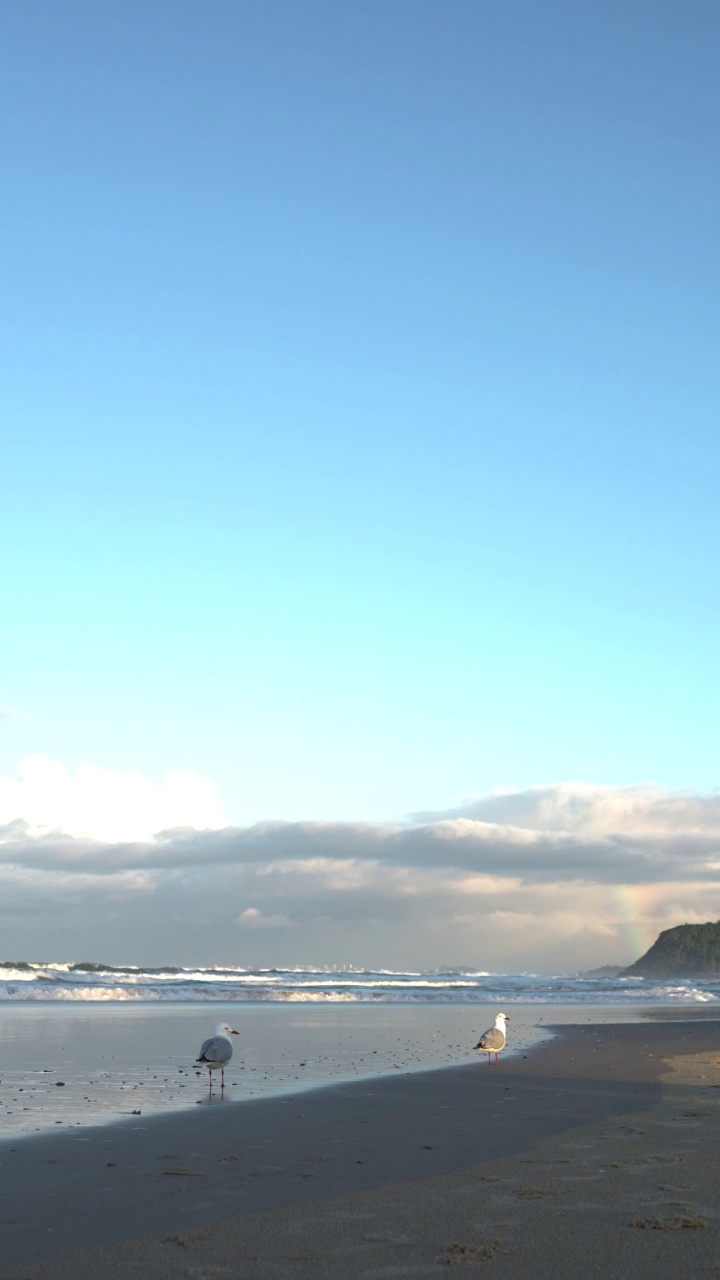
[(117, 1059), (597, 1154)]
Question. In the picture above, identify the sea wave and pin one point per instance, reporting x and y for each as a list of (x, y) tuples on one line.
[(22, 981)]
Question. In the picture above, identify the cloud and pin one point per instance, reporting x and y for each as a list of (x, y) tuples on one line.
[(567, 875), (342, 849), (581, 809), (107, 805), (251, 918)]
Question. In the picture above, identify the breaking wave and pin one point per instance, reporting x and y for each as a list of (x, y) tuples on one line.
[(91, 981)]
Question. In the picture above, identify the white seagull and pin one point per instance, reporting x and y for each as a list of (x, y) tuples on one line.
[(216, 1052), (493, 1041)]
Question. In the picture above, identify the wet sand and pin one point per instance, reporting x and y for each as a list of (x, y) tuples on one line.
[(91, 1064), (101, 1063), (597, 1154)]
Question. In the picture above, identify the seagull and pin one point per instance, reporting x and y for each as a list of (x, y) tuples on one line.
[(492, 1041), (216, 1052)]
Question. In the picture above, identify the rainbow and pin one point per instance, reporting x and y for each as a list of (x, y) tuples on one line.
[(636, 914)]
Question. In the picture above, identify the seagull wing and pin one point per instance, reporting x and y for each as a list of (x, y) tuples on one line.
[(216, 1049), (493, 1039)]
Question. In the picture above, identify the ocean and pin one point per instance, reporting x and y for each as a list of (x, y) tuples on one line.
[(89, 982)]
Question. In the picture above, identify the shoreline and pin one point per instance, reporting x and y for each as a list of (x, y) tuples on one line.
[(115, 1061), (358, 1153)]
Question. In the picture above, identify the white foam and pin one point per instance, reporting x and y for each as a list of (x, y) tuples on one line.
[(61, 981)]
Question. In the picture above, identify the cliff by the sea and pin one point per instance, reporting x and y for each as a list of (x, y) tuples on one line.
[(687, 951)]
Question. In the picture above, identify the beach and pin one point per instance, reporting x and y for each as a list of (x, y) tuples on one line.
[(116, 1059), (593, 1153)]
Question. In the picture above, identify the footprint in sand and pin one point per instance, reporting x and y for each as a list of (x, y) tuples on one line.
[(458, 1254), (689, 1222)]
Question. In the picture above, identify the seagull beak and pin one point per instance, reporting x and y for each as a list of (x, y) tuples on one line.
[(234, 1033)]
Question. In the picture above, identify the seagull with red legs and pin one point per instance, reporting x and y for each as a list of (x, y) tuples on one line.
[(493, 1041)]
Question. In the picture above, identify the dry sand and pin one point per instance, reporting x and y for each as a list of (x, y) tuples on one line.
[(596, 1155)]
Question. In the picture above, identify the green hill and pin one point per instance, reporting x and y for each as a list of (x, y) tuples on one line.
[(687, 951)]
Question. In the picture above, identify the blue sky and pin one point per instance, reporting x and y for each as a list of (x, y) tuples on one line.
[(362, 377)]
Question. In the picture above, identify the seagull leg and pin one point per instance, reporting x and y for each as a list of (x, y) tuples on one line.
[(210, 1093), (496, 1059), (222, 1081)]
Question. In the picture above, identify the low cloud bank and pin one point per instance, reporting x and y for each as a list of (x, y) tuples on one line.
[(558, 876)]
